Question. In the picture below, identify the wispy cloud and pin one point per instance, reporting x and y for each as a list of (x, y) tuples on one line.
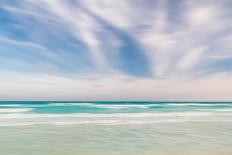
[(149, 42)]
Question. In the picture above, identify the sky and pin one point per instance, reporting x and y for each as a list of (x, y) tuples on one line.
[(116, 50)]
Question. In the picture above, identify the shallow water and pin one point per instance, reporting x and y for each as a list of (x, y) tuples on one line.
[(75, 128)]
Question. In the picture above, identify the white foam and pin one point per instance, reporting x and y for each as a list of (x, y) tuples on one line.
[(69, 104), (15, 110), (116, 115), (114, 106), (223, 110), (198, 104), (110, 122), (108, 106), (10, 105), (143, 106)]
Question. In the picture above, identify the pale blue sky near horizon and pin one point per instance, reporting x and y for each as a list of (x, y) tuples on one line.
[(116, 50)]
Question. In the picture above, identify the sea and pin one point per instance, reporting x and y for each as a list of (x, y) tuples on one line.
[(115, 128)]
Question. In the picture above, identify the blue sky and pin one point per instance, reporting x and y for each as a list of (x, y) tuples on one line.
[(115, 50)]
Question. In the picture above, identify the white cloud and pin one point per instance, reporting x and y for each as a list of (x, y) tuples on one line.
[(123, 14), (199, 26), (20, 43), (191, 58), (78, 23), (200, 34), (164, 41)]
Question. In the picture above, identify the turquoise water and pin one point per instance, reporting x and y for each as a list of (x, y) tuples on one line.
[(74, 128)]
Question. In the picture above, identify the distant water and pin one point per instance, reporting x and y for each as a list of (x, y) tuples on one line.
[(122, 128)]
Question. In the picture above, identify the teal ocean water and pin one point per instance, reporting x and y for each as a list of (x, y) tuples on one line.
[(122, 128)]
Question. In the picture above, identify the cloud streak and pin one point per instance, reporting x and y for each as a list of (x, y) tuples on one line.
[(149, 42)]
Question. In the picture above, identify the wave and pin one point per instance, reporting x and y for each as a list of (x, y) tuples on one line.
[(199, 104), (70, 104), (121, 106), (109, 122), (115, 105), (223, 110), (116, 115), (107, 106), (10, 105), (15, 110), (28, 119)]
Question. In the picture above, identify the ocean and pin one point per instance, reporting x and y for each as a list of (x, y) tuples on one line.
[(115, 128)]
